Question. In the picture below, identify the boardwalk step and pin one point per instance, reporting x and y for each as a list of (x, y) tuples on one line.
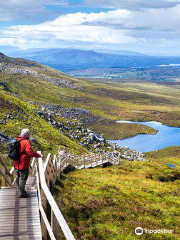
[(19, 218)]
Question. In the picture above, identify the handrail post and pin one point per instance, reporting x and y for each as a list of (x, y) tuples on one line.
[(60, 167), (6, 175), (84, 161), (54, 225), (56, 216), (3, 179), (43, 201)]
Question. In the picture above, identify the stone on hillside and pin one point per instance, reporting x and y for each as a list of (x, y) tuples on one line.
[(69, 168), (107, 164), (34, 140), (3, 137)]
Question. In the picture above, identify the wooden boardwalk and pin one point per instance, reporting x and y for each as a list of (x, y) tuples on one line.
[(93, 164), (38, 217), (19, 217)]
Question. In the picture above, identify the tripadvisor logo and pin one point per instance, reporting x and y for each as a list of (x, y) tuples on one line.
[(139, 231)]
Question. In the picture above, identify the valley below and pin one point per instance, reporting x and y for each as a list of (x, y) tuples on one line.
[(80, 115)]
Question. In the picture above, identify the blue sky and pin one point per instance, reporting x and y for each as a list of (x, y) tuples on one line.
[(147, 26)]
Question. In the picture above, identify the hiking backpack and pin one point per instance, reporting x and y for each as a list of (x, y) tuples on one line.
[(13, 151)]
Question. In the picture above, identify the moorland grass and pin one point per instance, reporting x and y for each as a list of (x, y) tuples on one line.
[(25, 116), (115, 131), (114, 99), (170, 155), (109, 203)]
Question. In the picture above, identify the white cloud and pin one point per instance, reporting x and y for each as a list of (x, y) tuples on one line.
[(135, 4), (148, 27), (12, 9), (75, 27)]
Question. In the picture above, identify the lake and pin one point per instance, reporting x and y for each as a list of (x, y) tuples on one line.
[(166, 137)]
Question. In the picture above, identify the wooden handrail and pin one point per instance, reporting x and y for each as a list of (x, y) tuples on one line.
[(43, 214), (2, 172), (55, 209), (46, 175), (4, 165), (47, 161), (6, 176)]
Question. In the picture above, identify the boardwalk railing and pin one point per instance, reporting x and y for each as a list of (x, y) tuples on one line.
[(87, 160), (52, 218), (46, 174), (6, 175)]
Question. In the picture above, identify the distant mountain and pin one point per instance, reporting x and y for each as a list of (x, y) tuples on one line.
[(73, 59), (2, 56), (9, 49), (120, 52)]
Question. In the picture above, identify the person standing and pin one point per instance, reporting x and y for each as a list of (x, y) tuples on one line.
[(23, 163)]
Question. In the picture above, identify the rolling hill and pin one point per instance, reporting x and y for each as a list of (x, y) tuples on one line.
[(100, 201), (74, 59), (96, 104)]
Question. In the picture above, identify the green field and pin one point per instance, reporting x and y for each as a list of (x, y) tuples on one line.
[(109, 203), (115, 131), (111, 99), (24, 115)]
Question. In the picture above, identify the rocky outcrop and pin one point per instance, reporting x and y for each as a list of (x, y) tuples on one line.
[(3, 137), (4, 86), (11, 69), (132, 155), (69, 168), (74, 129)]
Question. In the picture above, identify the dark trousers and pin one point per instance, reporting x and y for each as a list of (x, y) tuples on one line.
[(22, 176)]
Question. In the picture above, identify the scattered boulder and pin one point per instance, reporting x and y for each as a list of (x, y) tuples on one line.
[(4, 86), (34, 140), (69, 168), (4, 138), (107, 164)]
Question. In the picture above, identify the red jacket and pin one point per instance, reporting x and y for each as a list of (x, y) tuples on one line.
[(26, 152)]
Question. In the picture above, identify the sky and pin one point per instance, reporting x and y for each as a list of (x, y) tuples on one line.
[(146, 26)]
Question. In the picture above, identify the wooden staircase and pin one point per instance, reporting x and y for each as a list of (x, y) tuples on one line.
[(38, 217)]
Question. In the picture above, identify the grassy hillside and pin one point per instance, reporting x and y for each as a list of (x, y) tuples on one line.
[(169, 155), (140, 101), (17, 114), (110, 99), (115, 131), (114, 201), (100, 202), (109, 203)]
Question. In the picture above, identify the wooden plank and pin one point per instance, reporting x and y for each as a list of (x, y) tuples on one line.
[(20, 214), (93, 164), (13, 237), (31, 182)]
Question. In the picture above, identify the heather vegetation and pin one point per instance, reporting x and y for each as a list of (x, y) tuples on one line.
[(98, 202), (114, 201), (116, 131), (17, 114), (111, 99)]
